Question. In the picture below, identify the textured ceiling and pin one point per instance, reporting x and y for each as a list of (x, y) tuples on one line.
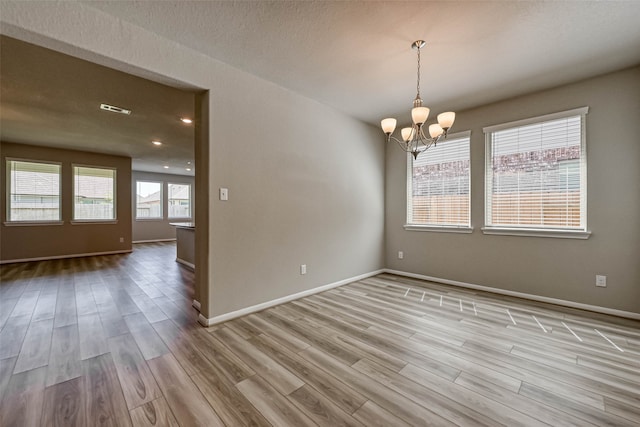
[(354, 56)]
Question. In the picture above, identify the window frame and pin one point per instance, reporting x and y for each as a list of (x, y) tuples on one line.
[(75, 221), (190, 201), (155, 218), (531, 230), (448, 228), (8, 204)]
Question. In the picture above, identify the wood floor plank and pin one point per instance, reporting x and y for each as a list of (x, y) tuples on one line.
[(64, 405), (155, 413), (392, 401), (93, 341), (233, 408), (26, 304), (182, 346), (320, 409), (104, 400), (23, 399), (136, 380), (46, 306), (148, 340), (229, 364), (185, 399), (35, 347), (64, 358), (12, 336), (66, 313), (6, 370), (371, 414), (340, 393), (271, 404), (281, 336), (583, 412), (277, 376)]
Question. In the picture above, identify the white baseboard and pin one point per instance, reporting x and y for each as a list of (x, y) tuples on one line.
[(46, 258), (196, 304), (186, 263), (572, 304), (254, 308), (154, 240)]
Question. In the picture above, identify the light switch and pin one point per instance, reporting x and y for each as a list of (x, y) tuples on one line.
[(224, 194)]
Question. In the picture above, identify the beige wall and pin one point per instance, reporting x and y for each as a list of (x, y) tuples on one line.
[(26, 242), (158, 229), (556, 268)]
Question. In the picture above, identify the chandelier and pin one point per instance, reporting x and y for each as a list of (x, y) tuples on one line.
[(414, 140)]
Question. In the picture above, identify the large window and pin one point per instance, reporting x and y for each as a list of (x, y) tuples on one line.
[(438, 186), (93, 193), (179, 200), (148, 200), (536, 174), (34, 194)]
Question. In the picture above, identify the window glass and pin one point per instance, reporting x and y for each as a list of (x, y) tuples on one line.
[(179, 200), (93, 193), (148, 199), (34, 191)]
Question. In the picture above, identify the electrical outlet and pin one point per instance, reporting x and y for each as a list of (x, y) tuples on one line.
[(303, 268), (601, 281), (122, 240), (400, 255), (224, 194)]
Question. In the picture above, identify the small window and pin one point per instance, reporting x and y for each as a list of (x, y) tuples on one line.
[(148, 200), (94, 193), (179, 200), (536, 174), (438, 185), (34, 194)]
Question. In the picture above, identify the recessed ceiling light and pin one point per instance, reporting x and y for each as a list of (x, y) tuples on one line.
[(188, 163), (114, 109), (156, 142), (166, 167), (186, 120), (188, 169)]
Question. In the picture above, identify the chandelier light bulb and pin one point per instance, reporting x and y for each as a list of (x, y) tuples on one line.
[(435, 130), (388, 125), (419, 115), (445, 120), (407, 134)]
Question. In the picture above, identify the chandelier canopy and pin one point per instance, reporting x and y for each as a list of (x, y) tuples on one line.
[(414, 140)]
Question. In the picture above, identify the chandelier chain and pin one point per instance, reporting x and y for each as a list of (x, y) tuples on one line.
[(418, 85)]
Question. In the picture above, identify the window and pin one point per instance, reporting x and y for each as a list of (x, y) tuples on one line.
[(34, 194), (179, 200), (536, 174), (148, 200), (93, 193), (438, 194)]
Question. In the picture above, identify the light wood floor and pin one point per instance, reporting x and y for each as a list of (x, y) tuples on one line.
[(113, 341)]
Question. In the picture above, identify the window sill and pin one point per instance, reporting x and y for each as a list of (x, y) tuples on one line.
[(31, 223), (149, 219), (93, 221), (438, 229), (537, 232), (183, 219)]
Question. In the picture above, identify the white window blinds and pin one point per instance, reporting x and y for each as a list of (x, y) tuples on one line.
[(179, 200), (93, 193), (438, 184), (536, 173), (34, 191)]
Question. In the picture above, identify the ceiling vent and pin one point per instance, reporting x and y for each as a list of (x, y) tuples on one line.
[(114, 109)]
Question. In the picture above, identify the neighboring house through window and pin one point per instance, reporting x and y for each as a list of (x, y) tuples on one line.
[(179, 200), (148, 200)]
